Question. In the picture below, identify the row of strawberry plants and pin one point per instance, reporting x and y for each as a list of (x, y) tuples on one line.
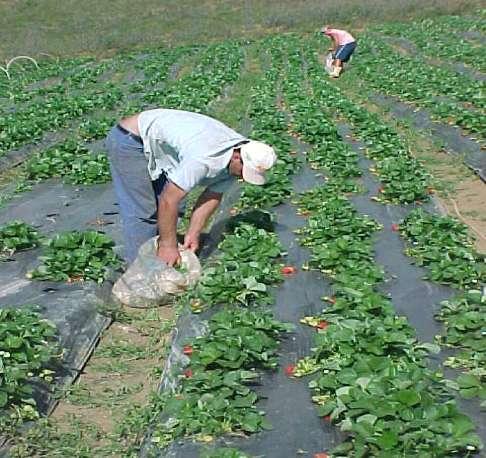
[(218, 65), (69, 256), (83, 77), (31, 123), (242, 272), (443, 245), (372, 378), (213, 397), (157, 71), (434, 38), (311, 125), (27, 345), (403, 177), (370, 368), (419, 79), (70, 160), (269, 124), (24, 73), (443, 92)]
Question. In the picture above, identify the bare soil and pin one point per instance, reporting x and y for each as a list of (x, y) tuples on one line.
[(102, 394)]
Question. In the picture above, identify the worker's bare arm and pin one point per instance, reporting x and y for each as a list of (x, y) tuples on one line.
[(205, 206), (334, 44), (167, 222)]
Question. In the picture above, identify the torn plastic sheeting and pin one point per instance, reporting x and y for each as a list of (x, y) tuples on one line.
[(452, 137), (74, 309), (286, 401), (53, 207)]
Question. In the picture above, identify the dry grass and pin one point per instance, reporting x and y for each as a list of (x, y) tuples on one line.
[(97, 26)]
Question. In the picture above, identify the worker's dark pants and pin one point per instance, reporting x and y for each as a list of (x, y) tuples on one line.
[(137, 195)]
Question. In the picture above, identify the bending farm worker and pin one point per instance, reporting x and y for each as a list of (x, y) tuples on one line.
[(157, 157), (343, 46)]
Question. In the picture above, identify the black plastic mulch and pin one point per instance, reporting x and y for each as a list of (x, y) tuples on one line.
[(53, 207), (452, 138)]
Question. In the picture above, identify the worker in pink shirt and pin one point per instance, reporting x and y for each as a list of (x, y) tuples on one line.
[(343, 45)]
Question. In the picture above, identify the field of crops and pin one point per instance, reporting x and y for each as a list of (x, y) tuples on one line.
[(342, 312)]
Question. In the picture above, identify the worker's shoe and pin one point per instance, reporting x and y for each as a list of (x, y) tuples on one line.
[(336, 72)]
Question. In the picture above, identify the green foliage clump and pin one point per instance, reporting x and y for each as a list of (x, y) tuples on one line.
[(71, 161), (17, 236), (73, 256), (214, 396), (242, 271), (27, 344), (443, 245)]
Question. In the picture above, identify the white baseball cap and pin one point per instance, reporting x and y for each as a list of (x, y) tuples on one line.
[(257, 157)]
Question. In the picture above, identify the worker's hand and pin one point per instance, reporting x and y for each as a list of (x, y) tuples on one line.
[(169, 254), (191, 241)]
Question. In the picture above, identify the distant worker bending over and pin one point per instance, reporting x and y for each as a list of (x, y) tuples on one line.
[(158, 156), (343, 46)]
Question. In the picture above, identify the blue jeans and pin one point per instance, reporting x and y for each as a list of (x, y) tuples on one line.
[(343, 53), (137, 195)]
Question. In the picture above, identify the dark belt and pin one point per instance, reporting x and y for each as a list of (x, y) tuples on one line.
[(135, 137)]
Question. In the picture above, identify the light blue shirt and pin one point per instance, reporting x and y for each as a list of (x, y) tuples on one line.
[(192, 149)]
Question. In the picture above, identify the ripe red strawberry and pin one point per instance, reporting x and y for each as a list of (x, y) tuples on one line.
[(327, 418), (395, 227), (321, 455), (188, 373), (288, 270), (289, 370), (322, 324), (187, 350)]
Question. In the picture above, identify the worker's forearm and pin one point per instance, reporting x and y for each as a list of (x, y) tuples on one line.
[(167, 222), (206, 205)]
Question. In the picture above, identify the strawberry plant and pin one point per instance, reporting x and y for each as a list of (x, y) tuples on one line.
[(224, 453), (27, 344), (214, 396), (17, 236), (70, 160), (242, 271), (94, 129), (270, 126), (465, 319), (76, 256), (442, 244)]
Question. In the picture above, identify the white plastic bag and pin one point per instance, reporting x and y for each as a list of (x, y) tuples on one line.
[(150, 282), (328, 65)]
